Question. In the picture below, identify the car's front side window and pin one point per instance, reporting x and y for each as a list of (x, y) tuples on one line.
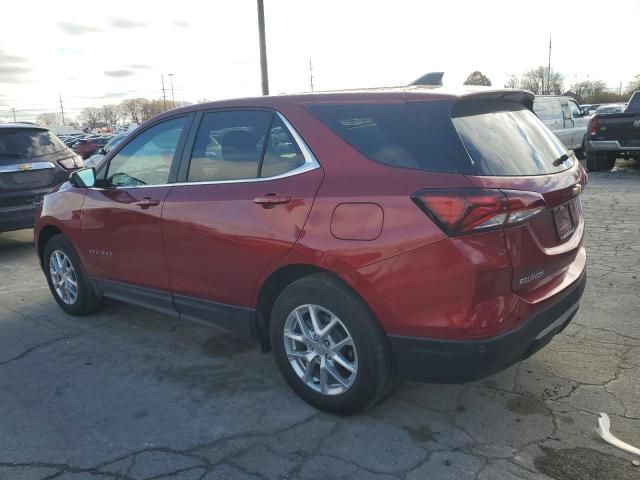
[(147, 158)]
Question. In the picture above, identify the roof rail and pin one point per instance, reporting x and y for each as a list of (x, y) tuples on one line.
[(433, 79)]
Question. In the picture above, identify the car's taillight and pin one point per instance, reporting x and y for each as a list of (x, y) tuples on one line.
[(466, 210), (72, 162), (593, 126)]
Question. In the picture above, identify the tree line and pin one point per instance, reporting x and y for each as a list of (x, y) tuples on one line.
[(542, 81), (132, 110)]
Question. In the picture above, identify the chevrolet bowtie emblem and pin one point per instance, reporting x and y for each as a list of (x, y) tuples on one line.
[(25, 166)]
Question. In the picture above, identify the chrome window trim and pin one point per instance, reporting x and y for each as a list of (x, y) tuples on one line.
[(310, 163), (15, 167)]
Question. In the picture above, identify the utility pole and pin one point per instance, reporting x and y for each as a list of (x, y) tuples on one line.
[(311, 75), (13, 110), (164, 96), (61, 109), (263, 49), (549, 69), (173, 98)]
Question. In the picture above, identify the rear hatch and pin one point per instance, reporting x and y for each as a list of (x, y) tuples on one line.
[(29, 164), (623, 127), (529, 184)]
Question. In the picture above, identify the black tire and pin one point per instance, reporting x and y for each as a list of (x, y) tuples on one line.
[(597, 161), (374, 377), (580, 152), (86, 301)]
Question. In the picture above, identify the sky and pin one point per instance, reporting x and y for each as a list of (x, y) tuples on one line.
[(95, 53)]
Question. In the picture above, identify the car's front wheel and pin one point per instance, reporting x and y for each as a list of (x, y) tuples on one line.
[(67, 280), (329, 347)]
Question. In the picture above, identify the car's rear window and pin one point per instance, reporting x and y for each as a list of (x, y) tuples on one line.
[(389, 133), (634, 103), (507, 139), (24, 143)]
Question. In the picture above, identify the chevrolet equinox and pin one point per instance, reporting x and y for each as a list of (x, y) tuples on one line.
[(360, 235)]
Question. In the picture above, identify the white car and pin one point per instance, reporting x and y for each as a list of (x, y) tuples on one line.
[(564, 117)]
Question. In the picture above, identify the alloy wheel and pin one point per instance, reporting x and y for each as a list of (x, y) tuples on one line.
[(63, 277), (320, 349)]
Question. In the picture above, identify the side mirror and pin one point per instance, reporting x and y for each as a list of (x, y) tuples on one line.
[(85, 178)]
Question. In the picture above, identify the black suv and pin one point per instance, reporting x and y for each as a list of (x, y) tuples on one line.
[(32, 162)]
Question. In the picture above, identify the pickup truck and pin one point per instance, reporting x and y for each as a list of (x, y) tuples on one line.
[(615, 135)]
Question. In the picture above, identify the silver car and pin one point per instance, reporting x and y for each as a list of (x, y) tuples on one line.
[(564, 117)]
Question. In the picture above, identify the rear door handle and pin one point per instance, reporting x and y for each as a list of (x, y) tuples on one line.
[(270, 200), (147, 202)]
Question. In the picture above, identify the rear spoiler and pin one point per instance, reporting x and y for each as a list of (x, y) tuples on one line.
[(507, 95)]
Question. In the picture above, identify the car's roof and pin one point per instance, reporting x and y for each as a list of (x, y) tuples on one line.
[(386, 94), (30, 126)]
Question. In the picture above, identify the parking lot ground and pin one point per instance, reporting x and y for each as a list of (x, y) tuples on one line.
[(129, 394)]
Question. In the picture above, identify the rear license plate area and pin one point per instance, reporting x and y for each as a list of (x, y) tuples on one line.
[(565, 219)]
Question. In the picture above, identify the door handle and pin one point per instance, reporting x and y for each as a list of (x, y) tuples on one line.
[(270, 200), (147, 202)]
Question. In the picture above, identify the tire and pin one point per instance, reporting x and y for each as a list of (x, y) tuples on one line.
[(580, 151), (597, 161), (369, 352), (85, 300)]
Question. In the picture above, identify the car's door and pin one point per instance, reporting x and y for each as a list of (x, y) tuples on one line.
[(121, 216), (246, 185), (579, 125), (568, 124)]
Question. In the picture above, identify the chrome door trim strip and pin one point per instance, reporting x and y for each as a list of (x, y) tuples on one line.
[(310, 163)]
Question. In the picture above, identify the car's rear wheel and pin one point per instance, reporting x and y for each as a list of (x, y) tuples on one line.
[(329, 347), (68, 282), (597, 161), (580, 152)]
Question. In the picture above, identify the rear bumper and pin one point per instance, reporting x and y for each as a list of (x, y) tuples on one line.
[(17, 218), (454, 361), (609, 146)]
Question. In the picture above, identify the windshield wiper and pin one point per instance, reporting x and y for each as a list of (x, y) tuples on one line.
[(563, 158)]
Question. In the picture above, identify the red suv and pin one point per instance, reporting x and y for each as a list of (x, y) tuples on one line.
[(359, 235)]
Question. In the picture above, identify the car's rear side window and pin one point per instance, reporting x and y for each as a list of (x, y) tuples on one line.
[(389, 133), (229, 145), (25, 143), (507, 139), (634, 103)]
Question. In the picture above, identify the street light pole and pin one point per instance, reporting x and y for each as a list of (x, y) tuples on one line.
[(263, 49)]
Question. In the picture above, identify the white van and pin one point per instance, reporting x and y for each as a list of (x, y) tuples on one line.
[(564, 117)]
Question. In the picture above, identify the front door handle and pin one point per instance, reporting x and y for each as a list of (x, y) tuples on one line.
[(147, 202), (270, 200)]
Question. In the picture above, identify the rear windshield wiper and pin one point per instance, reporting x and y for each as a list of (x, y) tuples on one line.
[(563, 158)]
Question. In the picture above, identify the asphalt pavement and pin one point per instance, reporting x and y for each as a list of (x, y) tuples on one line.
[(129, 394)]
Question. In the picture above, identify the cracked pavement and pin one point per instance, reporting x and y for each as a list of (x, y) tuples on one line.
[(129, 394)]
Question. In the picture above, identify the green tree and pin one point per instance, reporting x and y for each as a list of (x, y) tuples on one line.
[(477, 78)]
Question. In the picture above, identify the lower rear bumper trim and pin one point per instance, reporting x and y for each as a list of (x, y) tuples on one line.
[(455, 361)]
